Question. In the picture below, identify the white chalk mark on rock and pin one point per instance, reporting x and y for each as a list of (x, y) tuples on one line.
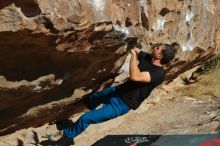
[(188, 46), (143, 4), (99, 5), (160, 23), (122, 29), (189, 16)]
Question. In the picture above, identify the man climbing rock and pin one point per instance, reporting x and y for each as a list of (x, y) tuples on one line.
[(118, 100)]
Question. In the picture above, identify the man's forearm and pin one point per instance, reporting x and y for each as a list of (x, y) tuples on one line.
[(133, 69)]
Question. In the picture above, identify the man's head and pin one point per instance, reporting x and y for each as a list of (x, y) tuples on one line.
[(164, 53)]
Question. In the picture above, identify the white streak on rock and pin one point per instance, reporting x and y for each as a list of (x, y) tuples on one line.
[(122, 29), (143, 4), (187, 47), (99, 5), (189, 16), (160, 24)]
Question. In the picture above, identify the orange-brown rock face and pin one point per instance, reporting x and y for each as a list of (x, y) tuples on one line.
[(54, 51)]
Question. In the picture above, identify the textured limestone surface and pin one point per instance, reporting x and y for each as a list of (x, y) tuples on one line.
[(52, 52)]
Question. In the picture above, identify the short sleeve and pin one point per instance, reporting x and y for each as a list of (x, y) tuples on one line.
[(157, 76), (143, 55)]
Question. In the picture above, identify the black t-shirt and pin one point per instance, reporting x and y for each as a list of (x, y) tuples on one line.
[(133, 93)]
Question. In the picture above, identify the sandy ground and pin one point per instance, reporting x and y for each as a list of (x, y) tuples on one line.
[(182, 115)]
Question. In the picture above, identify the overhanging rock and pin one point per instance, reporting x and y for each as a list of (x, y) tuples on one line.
[(54, 52)]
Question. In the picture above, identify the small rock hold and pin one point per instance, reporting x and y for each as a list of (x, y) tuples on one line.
[(76, 19)]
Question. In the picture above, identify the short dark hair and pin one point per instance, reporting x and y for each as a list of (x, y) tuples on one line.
[(168, 53)]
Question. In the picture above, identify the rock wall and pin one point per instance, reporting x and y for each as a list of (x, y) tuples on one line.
[(54, 51)]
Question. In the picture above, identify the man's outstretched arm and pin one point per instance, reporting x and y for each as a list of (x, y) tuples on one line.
[(134, 71)]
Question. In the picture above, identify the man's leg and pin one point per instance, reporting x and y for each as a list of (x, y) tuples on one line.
[(115, 108), (97, 98)]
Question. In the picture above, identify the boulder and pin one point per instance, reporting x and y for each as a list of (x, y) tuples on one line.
[(53, 52)]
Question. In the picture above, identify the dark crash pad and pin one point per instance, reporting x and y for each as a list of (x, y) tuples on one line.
[(160, 140)]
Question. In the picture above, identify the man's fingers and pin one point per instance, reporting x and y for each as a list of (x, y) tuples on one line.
[(133, 52)]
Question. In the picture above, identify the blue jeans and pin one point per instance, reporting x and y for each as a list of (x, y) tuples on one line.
[(112, 107)]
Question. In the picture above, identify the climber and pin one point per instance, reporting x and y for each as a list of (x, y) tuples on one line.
[(118, 100)]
